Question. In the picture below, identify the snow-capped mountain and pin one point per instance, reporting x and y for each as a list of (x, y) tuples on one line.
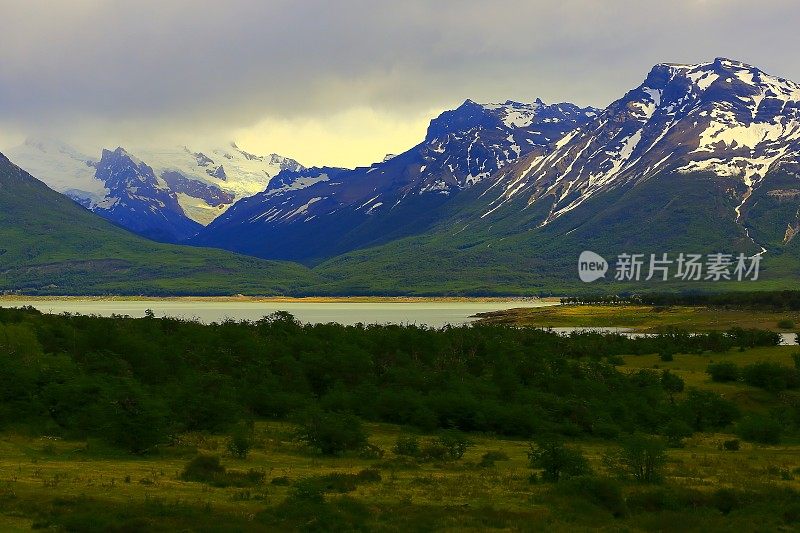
[(320, 212), (60, 166), (205, 182), (723, 118), (230, 172), (698, 159), (138, 200)]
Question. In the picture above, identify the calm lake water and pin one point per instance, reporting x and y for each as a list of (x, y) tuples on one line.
[(434, 314)]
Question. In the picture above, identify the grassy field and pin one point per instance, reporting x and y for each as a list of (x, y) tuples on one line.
[(692, 369), (58, 477), (46, 482), (642, 318)]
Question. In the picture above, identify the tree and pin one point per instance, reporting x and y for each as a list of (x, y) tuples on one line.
[(455, 442), (706, 410), (641, 457), (130, 419), (241, 440), (675, 431), (332, 433), (556, 460), (723, 372), (759, 428), (672, 384)]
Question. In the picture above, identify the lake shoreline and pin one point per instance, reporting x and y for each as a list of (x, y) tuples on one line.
[(643, 318), (437, 312), (281, 299)]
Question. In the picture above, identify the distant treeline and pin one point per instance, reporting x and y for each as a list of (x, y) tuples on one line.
[(136, 382), (774, 300)]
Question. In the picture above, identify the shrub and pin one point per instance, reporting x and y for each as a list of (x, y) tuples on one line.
[(731, 445), (203, 468), (707, 410), (338, 482), (770, 376), (666, 357), (240, 442), (370, 451), (760, 428), (726, 500), (407, 445), (723, 372), (641, 457), (207, 469), (556, 460), (456, 443), (433, 450), (490, 458), (332, 433), (675, 431), (654, 500), (605, 492), (672, 384), (785, 324)]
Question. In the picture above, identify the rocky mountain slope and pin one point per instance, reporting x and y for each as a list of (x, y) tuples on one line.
[(51, 245), (699, 158), (178, 192), (324, 212)]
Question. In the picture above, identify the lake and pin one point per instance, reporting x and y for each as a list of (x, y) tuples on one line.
[(432, 313), (787, 339)]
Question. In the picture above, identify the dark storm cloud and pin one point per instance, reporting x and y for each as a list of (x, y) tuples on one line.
[(199, 65)]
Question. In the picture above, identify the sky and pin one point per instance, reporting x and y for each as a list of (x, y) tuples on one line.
[(343, 82)]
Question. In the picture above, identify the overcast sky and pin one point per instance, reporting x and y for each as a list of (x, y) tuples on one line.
[(346, 81)]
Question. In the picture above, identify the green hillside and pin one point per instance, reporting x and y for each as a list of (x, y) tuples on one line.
[(511, 254), (49, 244)]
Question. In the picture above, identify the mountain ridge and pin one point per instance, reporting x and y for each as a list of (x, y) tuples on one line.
[(393, 198)]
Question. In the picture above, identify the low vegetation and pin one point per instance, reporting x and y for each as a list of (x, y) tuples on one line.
[(159, 425)]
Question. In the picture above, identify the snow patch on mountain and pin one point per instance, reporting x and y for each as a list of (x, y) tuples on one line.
[(723, 116)]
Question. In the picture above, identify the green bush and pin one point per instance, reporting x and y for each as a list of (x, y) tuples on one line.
[(641, 457), (707, 410), (785, 324), (332, 433), (240, 441), (760, 428), (556, 460), (675, 431), (433, 450), (771, 376), (605, 492), (726, 500), (207, 469), (731, 445), (488, 459), (456, 444), (655, 500), (723, 372), (339, 482), (203, 468), (407, 445)]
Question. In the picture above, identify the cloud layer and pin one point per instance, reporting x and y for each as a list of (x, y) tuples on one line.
[(302, 74)]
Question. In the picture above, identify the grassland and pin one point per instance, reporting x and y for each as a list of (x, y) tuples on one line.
[(58, 477), (645, 319), (47, 482)]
